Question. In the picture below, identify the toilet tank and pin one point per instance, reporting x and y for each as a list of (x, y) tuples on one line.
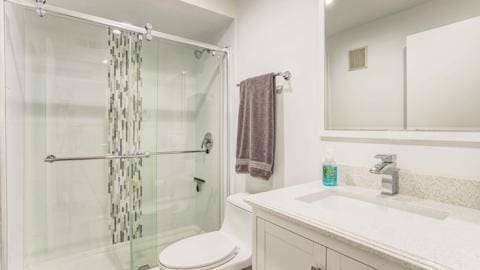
[(238, 220)]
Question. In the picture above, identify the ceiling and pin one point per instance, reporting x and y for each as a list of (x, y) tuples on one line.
[(170, 16), (345, 14)]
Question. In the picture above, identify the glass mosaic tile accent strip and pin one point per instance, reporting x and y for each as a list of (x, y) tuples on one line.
[(124, 125)]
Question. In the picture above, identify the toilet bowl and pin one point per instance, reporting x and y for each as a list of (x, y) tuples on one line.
[(226, 249)]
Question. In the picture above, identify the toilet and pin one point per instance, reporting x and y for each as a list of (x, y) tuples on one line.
[(226, 249)]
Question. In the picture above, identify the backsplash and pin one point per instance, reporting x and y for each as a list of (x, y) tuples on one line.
[(462, 192)]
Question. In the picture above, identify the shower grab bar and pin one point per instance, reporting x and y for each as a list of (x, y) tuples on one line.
[(53, 158)]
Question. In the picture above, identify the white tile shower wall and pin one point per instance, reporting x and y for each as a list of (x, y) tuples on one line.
[(181, 109), (208, 116), (177, 81), (66, 86), (15, 91), (148, 134), (275, 36)]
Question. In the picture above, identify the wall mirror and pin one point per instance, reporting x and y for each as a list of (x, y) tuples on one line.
[(403, 65)]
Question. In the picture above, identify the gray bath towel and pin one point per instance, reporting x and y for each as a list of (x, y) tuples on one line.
[(256, 127)]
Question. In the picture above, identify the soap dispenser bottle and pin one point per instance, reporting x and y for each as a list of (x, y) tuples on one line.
[(329, 169)]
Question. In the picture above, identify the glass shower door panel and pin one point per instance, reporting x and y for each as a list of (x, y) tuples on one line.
[(65, 204), (68, 99), (209, 118), (176, 131), (143, 248), (59, 90), (189, 104)]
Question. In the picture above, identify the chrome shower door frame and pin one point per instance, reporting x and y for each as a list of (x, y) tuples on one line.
[(11, 251), (3, 143)]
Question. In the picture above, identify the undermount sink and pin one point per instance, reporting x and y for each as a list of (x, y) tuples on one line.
[(341, 200)]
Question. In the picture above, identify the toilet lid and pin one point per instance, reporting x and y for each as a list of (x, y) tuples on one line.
[(208, 249)]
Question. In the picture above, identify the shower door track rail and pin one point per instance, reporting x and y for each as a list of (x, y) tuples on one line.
[(107, 22), (53, 158)]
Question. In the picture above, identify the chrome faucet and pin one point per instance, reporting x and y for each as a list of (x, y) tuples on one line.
[(389, 171)]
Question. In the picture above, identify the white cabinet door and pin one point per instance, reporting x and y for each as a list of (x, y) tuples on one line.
[(337, 261), (280, 249)]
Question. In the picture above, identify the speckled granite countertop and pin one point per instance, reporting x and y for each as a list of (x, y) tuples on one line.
[(417, 233)]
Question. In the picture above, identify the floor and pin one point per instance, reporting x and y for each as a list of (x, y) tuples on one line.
[(108, 258)]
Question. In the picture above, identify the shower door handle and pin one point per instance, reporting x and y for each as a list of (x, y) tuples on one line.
[(207, 145), (53, 158)]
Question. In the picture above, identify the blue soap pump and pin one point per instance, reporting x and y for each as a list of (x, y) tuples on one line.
[(329, 169)]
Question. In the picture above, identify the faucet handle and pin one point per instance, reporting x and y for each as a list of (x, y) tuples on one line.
[(390, 158)]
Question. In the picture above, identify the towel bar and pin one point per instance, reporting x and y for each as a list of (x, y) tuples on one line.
[(287, 75)]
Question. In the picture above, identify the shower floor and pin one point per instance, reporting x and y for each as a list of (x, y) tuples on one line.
[(109, 258)]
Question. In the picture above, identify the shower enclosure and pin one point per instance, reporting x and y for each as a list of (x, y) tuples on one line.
[(114, 140)]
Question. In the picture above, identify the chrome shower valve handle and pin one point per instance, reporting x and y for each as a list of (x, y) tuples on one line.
[(207, 142)]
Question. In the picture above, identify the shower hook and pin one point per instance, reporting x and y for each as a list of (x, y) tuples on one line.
[(40, 7), (148, 29)]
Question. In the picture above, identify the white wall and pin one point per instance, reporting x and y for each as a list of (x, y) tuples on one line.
[(201, 20), (427, 159), (353, 94), (442, 71), (274, 36), (225, 7)]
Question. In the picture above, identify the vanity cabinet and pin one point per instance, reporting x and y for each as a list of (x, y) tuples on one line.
[(280, 249), (280, 244)]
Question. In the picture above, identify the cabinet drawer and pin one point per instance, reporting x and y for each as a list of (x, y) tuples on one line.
[(337, 261), (281, 249)]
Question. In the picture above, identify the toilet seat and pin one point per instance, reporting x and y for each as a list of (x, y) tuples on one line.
[(201, 252)]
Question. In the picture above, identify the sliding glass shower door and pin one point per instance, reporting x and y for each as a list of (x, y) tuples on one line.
[(189, 83), (89, 107)]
